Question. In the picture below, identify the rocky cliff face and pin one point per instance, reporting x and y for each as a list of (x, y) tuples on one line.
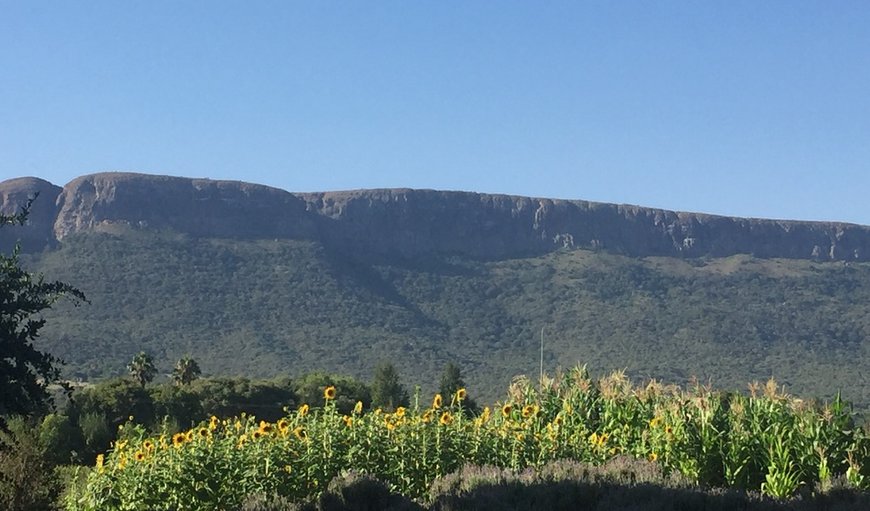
[(410, 223)]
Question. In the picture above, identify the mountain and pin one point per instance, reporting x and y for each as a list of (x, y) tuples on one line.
[(413, 223), (259, 281)]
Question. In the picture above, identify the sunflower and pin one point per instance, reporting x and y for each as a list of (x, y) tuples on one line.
[(265, 427), (188, 437), (203, 432), (669, 430), (357, 408), (283, 426), (445, 419), (139, 456), (427, 417), (256, 435), (530, 411), (653, 456), (178, 439), (348, 421), (300, 433), (484, 417), (506, 410), (303, 410), (400, 411), (329, 393), (655, 421), (100, 460), (213, 423), (242, 440), (147, 445), (460, 394), (437, 401)]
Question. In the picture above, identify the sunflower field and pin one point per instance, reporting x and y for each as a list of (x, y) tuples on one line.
[(763, 440)]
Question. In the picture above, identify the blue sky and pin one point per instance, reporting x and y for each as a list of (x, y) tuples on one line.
[(739, 108)]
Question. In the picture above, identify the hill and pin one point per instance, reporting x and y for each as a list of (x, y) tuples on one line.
[(257, 281)]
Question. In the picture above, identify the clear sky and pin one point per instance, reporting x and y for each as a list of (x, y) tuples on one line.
[(756, 108)]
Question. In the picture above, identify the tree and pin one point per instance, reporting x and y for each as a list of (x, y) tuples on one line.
[(186, 370), (142, 369), (25, 372), (451, 382), (388, 392)]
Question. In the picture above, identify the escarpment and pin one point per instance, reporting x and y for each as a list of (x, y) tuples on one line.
[(408, 223)]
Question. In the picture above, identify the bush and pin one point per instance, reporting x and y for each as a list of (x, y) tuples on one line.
[(27, 479)]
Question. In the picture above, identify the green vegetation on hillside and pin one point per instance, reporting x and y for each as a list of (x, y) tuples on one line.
[(281, 307)]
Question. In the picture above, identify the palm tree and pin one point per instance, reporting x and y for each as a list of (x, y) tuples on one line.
[(142, 368), (186, 370)]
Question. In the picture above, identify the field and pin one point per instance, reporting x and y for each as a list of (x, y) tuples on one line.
[(763, 440)]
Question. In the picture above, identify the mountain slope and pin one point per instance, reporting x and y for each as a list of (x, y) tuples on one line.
[(338, 282)]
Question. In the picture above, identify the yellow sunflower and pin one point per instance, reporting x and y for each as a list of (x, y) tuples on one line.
[(178, 439), (461, 394), (303, 410), (445, 419), (283, 426), (329, 393), (139, 456), (300, 433), (357, 408), (506, 410), (437, 401)]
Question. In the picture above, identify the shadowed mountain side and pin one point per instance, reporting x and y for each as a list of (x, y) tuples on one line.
[(406, 223)]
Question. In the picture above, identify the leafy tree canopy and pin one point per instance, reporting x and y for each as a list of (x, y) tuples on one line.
[(387, 390), (186, 370), (142, 368), (25, 371)]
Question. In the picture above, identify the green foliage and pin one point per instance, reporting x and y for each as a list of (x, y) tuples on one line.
[(186, 370), (263, 308), (24, 370), (571, 429), (96, 434), (388, 392), (309, 390), (58, 438), (142, 369), (27, 478), (226, 397), (451, 383)]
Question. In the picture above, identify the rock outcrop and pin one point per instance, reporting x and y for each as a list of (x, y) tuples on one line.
[(411, 223), (39, 232)]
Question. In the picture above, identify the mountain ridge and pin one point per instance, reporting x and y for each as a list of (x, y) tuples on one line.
[(408, 223), (257, 281)]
